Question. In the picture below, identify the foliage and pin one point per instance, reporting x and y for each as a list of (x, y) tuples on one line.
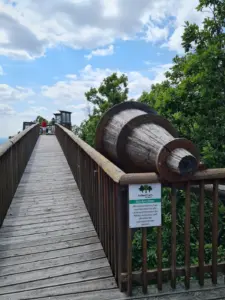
[(113, 90), (40, 119), (180, 225), (193, 98), (76, 130), (193, 95)]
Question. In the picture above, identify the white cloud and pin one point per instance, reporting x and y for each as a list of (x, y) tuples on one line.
[(31, 27), (1, 71), (185, 12), (71, 76), (151, 63), (67, 94), (101, 52), (159, 71), (11, 121), (76, 107), (6, 109), (31, 102), (33, 111), (155, 33), (70, 94), (71, 91), (10, 94)]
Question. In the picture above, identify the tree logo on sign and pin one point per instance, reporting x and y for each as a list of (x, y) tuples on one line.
[(145, 188)]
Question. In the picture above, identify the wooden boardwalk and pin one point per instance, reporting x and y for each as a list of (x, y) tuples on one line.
[(48, 246)]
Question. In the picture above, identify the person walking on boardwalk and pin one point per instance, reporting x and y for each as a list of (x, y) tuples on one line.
[(53, 126), (44, 126)]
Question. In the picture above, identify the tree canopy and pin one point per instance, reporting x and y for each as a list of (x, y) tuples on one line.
[(113, 90), (192, 97), (39, 119), (193, 94)]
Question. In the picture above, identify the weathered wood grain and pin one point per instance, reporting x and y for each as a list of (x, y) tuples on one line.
[(92, 280), (52, 272), (48, 244), (21, 223), (35, 237), (46, 229), (94, 295), (46, 241), (12, 218), (49, 247), (52, 262)]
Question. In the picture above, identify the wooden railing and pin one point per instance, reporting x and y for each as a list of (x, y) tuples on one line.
[(203, 189), (14, 155), (98, 182), (173, 250)]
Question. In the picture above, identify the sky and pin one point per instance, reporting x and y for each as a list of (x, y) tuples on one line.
[(52, 52)]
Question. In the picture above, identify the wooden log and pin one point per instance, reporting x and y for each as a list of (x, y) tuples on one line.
[(135, 138), (182, 162)]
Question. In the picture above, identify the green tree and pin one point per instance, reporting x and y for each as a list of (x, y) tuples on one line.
[(76, 130), (193, 95), (193, 98), (39, 119), (113, 90)]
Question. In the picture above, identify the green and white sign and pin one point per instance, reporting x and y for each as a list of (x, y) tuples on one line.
[(144, 205)]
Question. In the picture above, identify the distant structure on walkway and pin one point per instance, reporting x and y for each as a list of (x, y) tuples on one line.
[(27, 124), (63, 118)]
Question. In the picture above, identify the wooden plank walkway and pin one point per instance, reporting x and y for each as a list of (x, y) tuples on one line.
[(48, 246)]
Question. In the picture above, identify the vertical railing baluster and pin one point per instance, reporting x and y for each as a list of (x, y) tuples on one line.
[(215, 232), (100, 205), (123, 232), (187, 235), (144, 261), (110, 237), (159, 258), (115, 223), (173, 237), (129, 262), (96, 198), (201, 235), (94, 193), (106, 213)]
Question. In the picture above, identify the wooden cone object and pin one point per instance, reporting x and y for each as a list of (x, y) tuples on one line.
[(134, 137)]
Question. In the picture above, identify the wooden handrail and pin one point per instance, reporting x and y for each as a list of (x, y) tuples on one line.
[(14, 156), (136, 178), (110, 169), (7, 145)]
